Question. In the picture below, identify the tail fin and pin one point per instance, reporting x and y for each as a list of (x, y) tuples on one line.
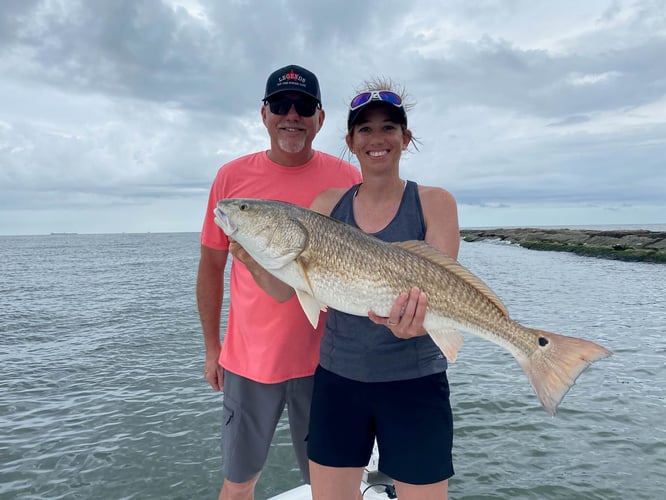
[(556, 364)]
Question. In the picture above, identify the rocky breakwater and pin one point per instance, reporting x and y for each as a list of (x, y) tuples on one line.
[(628, 245)]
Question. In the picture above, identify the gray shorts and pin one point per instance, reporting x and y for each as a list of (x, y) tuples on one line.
[(250, 414)]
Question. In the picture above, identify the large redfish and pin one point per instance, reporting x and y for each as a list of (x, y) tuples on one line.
[(333, 264)]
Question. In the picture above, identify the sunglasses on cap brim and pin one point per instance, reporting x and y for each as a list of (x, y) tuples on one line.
[(303, 106), (376, 95)]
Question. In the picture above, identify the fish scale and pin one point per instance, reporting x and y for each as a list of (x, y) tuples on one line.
[(332, 264)]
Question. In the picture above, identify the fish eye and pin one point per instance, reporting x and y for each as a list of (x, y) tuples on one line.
[(243, 206)]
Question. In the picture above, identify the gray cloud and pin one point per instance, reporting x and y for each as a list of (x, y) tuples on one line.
[(135, 102)]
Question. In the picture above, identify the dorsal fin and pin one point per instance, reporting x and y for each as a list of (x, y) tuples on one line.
[(424, 250)]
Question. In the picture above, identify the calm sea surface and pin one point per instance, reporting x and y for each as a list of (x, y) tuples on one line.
[(102, 395)]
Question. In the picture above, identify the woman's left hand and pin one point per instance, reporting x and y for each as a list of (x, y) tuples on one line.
[(405, 320)]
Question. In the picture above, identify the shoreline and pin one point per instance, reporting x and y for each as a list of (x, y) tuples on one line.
[(639, 245)]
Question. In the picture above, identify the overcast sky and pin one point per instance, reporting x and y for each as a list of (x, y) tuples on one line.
[(116, 114)]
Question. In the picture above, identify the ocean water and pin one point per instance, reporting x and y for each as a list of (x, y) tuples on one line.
[(102, 394)]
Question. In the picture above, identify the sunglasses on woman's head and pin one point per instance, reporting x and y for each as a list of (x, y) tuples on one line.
[(376, 95), (304, 106)]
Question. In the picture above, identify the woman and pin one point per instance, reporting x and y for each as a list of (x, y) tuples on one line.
[(383, 378)]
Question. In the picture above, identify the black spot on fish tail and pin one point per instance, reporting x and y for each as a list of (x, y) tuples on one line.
[(555, 365)]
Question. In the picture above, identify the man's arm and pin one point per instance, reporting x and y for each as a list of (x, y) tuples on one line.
[(210, 289), (277, 289)]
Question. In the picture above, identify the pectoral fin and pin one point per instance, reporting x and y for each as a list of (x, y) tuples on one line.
[(449, 342), (311, 307)]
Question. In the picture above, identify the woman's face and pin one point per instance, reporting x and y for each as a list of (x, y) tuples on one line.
[(376, 139)]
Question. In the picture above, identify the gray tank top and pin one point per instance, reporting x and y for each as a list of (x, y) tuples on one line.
[(353, 346)]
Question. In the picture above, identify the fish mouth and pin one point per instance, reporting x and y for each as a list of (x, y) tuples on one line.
[(224, 222)]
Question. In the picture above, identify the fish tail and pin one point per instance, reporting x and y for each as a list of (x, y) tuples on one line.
[(555, 365)]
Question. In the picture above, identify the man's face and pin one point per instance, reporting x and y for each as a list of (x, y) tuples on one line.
[(292, 132)]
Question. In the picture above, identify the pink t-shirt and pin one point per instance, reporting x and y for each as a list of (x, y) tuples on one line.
[(265, 340)]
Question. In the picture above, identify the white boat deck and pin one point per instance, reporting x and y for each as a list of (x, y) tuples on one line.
[(374, 484)]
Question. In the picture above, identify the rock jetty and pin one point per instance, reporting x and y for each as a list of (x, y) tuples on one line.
[(628, 245)]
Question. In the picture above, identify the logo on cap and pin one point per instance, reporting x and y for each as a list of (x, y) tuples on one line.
[(290, 77)]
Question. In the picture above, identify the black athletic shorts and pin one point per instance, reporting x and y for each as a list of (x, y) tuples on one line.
[(411, 420)]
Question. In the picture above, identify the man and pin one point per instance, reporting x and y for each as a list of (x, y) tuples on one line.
[(270, 350)]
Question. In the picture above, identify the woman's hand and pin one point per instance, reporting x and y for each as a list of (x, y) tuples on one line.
[(405, 320)]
